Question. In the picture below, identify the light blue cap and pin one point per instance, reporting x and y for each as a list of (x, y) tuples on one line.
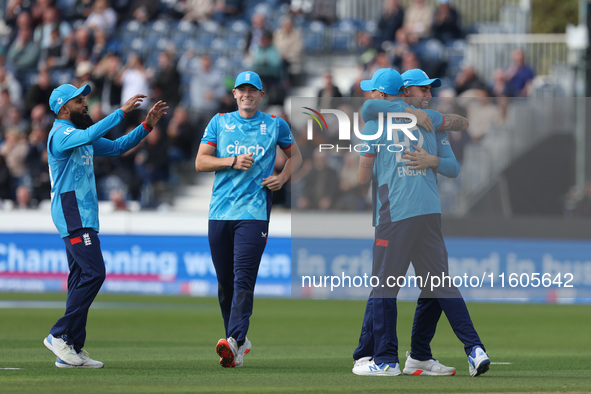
[(385, 80), (417, 77), (249, 77), (64, 93)]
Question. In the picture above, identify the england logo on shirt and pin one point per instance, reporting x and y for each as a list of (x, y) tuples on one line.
[(263, 128)]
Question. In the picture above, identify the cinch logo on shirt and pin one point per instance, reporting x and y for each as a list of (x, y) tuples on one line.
[(87, 158), (238, 149)]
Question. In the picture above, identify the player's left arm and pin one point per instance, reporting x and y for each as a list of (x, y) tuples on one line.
[(444, 163), (106, 147), (293, 163), (294, 158)]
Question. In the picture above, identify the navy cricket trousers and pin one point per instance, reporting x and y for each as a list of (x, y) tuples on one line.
[(236, 250), (87, 274), (419, 240)]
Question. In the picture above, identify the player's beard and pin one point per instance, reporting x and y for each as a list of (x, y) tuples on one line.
[(81, 120)]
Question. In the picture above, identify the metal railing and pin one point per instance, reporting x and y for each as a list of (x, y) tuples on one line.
[(528, 122), (471, 11), (488, 52)]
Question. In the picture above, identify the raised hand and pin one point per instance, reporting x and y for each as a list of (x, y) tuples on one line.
[(133, 103), (156, 113)]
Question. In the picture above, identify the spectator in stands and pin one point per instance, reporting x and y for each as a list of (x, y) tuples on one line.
[(81, 45), (39, 92), (15, 9), (255, 34), (290, 43), (167, 81), (151, 162), (199, 11), (519, 76), (382, 60), (24, 197), (11, 85), (446, 23), (23, 54), (206, 88), (418, 20), (267, 63), (107, 83), (41, 118), (82, 9), (321, 186), (57, 54), (365, 48), (117, 198), (39, 9), (134, 80), (352, 195), (5, 106), (182, 137), (409, 61), (328, 92), (483, 115), (6, 182), (225, 9), (22, 21), (42, 34), (15, 148), (13, 119), (100, 45), (468, 79), (83, 75), (144, 10), (390, 22), (102, 17)]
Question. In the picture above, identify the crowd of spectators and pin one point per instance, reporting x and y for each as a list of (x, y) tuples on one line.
[(83, 41)]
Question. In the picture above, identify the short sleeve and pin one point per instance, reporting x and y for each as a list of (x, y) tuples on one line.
[(436, 118), (210, 135), (284, 137)]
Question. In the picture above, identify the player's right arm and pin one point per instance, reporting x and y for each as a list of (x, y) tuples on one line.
[(207, 161), (365, 169)]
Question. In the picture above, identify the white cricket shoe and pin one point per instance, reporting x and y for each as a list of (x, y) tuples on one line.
[(62, 350), (427, 367), (242, 351), (227, 349), (363, 361), (371, 369), (478, 361), (88, 362)]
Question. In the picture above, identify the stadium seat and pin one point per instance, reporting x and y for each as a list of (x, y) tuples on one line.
[(342, 36), (314, 36)]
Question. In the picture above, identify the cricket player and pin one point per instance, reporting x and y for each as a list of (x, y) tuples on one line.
[(240, 147), (73, 141), (407, 219)]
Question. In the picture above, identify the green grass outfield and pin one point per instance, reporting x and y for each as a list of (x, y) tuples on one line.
[(167, 344)]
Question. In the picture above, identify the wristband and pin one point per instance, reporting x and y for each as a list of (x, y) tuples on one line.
[(235, 160), (146, 127)]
